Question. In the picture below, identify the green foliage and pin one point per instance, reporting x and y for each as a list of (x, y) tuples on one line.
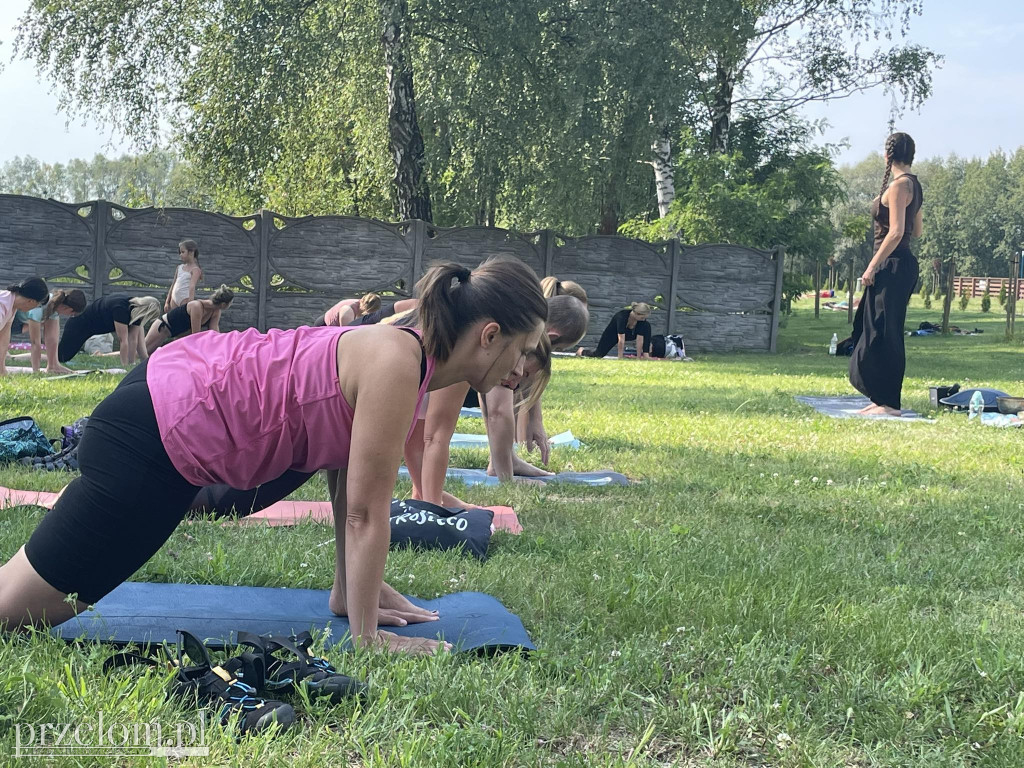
[(794, 285), (156, 178), (1002, 294), (986, 302), (768, 192), (964, 300), (532, 115)]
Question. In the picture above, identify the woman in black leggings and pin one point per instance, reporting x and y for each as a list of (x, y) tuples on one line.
[(627, 325), (192, 317), (118, 313)]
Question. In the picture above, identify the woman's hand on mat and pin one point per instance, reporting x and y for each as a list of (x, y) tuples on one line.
[(417, 646), (393, 609), (537, 440), (395, 605)]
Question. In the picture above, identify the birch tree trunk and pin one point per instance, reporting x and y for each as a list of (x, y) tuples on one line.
[(721, 110), (664, 175), (406, 141)]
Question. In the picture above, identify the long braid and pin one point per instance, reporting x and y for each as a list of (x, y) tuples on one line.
[(890, 149), (899, 148)]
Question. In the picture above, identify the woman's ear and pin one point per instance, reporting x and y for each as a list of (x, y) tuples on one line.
[(489, 333)]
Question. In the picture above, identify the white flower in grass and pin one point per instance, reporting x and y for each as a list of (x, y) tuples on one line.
[(814, 479), (597, 577), (829, 482), (775, 474), (615, 654), (411, 578), (796, 482), (303, 565), (883, 483), (680, 629)]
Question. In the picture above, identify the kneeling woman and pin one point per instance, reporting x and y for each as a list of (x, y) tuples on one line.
[(255, 406), (192, 317), (347, 311), (626, 325)]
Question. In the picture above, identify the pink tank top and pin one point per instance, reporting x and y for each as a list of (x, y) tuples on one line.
[(244, 407), (333, 315)]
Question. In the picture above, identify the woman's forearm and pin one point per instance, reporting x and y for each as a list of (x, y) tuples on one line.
[(892, 239), (367, 538), (501, 433)]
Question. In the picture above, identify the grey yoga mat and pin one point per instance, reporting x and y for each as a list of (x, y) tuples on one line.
[(846, 407), (480, 477)]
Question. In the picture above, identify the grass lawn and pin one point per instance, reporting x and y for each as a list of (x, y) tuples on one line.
[(779, 588)]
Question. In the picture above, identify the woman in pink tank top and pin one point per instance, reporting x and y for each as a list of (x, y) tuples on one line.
[(246, 408)]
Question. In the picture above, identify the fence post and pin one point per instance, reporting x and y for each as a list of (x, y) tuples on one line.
[(547, 245), (419, 238), (673, 283), (264, 221), (98, 269), (780, 255)]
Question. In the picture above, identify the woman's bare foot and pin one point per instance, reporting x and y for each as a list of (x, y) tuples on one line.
[(58, 369), (453, 502), (880, 410), (522, 468)]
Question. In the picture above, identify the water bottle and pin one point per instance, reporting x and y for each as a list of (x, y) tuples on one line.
[(977, 406), (832, 345)]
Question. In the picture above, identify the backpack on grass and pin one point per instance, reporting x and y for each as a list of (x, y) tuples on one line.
[(21, 438)]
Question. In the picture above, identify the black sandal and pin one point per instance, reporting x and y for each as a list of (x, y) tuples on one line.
[(290, 665), (219, 685)]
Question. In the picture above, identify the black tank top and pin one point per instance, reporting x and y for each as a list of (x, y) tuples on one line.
[(880, 215)]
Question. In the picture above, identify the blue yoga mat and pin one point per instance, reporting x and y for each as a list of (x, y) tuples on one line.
[(465, 440), (140, 612), (846, 407), (480, 477)]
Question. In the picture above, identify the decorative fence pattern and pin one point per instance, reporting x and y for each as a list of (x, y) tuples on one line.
[(286, 271)]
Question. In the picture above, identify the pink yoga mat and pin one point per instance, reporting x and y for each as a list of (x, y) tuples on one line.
[(281, 513)]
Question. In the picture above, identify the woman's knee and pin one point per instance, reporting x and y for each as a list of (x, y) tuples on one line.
[(27, 600)]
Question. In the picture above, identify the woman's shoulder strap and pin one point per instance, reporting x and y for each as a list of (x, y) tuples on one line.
[(423, 353)]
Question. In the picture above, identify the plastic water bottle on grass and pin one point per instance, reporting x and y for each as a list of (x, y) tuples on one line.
[(977, 406), (832, 345)]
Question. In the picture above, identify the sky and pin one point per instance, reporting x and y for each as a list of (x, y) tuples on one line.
[(976, 107)]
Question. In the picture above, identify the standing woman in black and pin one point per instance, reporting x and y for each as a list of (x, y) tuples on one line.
[(879, 359)]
